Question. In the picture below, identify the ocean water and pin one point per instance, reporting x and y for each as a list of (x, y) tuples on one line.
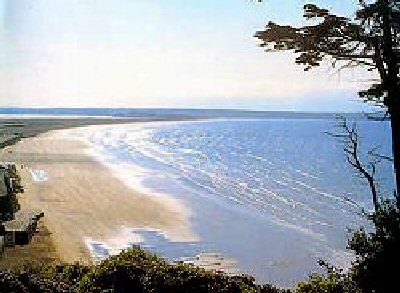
[(273, 195)]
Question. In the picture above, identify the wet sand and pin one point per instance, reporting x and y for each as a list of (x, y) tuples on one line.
[(82, 199)]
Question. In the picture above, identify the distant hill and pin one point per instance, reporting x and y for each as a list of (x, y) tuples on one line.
[(180, 113)]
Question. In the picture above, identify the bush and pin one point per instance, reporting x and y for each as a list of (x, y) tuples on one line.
[(134, 270), (137, 270), (9, 282), (335, 281), (8, 207), (377, 257), (378, 253)]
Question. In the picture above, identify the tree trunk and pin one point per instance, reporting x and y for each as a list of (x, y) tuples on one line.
[(391, 83), (395, 125), (371, 183)]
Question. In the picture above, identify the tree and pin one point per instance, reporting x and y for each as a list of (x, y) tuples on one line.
[(370, 40)]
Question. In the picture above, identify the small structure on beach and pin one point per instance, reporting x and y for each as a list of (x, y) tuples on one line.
[(20, 230)]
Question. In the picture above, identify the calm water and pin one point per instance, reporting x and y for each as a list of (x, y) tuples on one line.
[(275, 195)]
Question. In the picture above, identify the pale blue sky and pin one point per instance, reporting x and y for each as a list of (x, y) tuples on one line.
[(159, 53)]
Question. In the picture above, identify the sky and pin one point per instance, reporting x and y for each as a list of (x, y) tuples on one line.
[(163, 54)]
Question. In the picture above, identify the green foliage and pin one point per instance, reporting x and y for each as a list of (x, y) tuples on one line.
[(335, 281), (134, 270), (370, 40), (378, 253), (377, 257), (9, 282), (332, 38), (319, 284), (145, 272)]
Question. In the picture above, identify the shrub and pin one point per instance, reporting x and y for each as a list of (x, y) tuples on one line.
[(9, 282), (134, 270), (378, 253), (335, 281), (377, 257)]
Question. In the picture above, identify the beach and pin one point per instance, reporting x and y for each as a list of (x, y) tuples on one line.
[(84, 202), (231, 195)]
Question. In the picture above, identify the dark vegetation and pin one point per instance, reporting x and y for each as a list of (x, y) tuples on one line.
[(131, 271), (377, 258), (8, 195), (8, 206), (378, 255)]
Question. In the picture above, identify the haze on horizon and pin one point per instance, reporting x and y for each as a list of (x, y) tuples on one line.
[(177, 54)]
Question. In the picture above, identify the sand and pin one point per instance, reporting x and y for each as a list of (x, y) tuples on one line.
[(83, 200)]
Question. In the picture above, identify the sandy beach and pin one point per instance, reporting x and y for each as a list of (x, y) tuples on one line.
[(83, 201)]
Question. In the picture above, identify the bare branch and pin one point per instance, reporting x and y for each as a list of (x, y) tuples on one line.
[(350, 139)]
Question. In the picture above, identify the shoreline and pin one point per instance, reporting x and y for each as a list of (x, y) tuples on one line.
[(77, 195), (97, 201)]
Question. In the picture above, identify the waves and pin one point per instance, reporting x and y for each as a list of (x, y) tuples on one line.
[(283, 175), (221, 160)]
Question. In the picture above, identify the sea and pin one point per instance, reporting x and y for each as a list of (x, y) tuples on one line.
[(272, 193)]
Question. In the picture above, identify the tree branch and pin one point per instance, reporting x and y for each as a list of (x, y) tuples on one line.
[(350, 140)]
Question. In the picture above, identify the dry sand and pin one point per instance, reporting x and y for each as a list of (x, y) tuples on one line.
[(83, 200)]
